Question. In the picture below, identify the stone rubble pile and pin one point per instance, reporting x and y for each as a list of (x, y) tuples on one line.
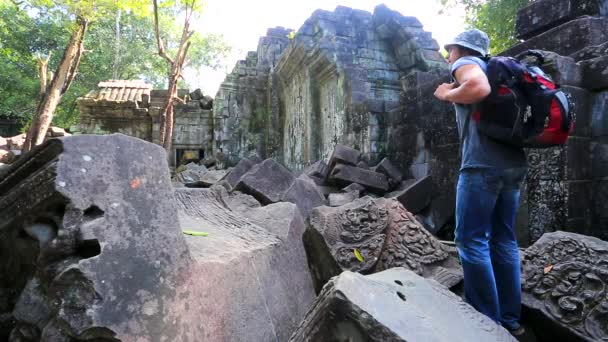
[(344, 178)]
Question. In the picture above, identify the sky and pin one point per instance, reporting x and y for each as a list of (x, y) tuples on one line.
[(243, 22)]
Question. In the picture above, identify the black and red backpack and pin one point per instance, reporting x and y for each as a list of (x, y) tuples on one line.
[(525, 107)]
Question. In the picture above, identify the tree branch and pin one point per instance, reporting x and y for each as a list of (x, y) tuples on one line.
[(159, 41)]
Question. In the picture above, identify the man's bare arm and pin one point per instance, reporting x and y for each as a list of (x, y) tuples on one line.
[(473, 88)]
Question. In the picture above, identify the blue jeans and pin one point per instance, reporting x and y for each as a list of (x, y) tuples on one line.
[(486, 205)]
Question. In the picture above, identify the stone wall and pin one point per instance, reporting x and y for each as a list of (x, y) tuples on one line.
[(566, 185), (133, 108), (335, 82), (246, 103)]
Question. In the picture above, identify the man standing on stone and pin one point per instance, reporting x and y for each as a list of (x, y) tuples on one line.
[(487, 194)]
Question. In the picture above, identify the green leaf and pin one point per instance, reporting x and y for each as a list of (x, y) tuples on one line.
[(358, 255), (194, 233)]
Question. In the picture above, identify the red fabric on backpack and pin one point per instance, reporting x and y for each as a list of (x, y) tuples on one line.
[(553, 133)]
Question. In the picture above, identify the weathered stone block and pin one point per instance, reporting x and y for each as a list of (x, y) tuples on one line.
[(267, 182), (416, 196), (305, 194), (591, 52), (599, 160), (353, 187), (353, 307), (342, 198), (383, 233), (346, 174), (563, 280), (343, 155), (578, 162), (438, 213), (389, 170), (566, 38), (543, 15), (318, 169), (249, 276), (599, 115), (580, 203), (235, 173), (595, 73), (207, 179), (91, 223)]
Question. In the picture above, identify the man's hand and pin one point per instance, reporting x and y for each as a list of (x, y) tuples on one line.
[(442, 91)]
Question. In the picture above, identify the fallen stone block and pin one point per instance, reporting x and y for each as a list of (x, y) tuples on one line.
[(267, 182), (326, 190), (595, 73), (384, 235), (363, 165), (393, 305), (317, 169), (190, 173), (235, 174), (346, 174), (206, 102), (90, 220), (207, 179), (564, 281), (318, 181), (342, 155), (543, 15), (305, 195), (249, 278), (336, 200), (196, 94), (416, 196), (390, 171), (354, 187), (438, 213)]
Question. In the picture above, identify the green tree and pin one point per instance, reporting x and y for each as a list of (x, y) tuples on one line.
[(495, 17), (33, 30)]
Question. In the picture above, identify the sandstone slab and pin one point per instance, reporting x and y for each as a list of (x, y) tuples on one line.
[(249, 280), (268, 182), (393, 305), (389, 170), (346, 174), (338, 199), (235, 174), (305, 194), (416, 196), (342, 155)]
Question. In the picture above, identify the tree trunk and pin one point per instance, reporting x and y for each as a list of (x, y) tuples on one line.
[(59, 85), (167, 115)]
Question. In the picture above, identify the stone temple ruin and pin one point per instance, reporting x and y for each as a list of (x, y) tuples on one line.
[(317, 217)]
